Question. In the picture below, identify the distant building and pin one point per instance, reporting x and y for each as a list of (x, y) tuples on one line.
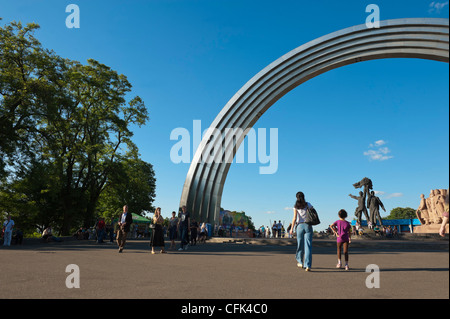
[(402, 225)]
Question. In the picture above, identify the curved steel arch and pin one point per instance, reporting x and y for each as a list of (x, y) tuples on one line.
[(424, 38)]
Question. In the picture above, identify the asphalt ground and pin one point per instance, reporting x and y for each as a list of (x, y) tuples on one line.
[(224, 271)]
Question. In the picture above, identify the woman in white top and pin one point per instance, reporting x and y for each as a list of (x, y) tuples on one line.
[(304, 233)]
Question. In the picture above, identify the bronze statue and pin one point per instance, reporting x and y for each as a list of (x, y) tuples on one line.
[(361, 206), (374, 203)]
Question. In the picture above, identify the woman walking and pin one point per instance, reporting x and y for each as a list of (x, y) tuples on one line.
[(304, 231), (158, 234)]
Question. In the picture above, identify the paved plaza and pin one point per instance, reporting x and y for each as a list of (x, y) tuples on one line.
[(218, 270)]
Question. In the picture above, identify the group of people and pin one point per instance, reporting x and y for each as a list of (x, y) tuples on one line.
[(182, 226), (341, 228), (276, 231)]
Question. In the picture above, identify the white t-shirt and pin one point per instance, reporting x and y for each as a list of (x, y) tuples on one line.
[(301, 214), (9, 225)]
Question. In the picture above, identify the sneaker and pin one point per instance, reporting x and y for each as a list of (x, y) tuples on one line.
[(186, 247), (308, 269), (338, 265), (180, 249), (299, 265), (346, 267)]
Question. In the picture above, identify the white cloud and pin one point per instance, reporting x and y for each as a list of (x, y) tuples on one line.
[(394, 195), (270, 212), (288, 208), (436, 7), (378, 153), (387, 196)]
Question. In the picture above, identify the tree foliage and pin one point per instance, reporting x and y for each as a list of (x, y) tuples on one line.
[(402, 213), (65, 135)]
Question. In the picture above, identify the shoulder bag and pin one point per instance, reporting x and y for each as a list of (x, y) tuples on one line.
[(312, 218)]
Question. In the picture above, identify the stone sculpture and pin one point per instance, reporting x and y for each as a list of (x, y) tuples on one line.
[(431, 212)]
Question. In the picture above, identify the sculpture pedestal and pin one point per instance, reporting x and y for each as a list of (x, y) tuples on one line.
[(427, 229)]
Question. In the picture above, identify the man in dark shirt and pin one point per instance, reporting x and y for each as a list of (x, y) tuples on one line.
[(124, 223), (184, 223)]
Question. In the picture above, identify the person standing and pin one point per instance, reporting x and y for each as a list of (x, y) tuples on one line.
[(193, 227), (8, 226), (101, 226), (304, 231), (274, 229), (158, 233), (184, 224), (279, 227), (342, 229), (173, 222), (124, 224)]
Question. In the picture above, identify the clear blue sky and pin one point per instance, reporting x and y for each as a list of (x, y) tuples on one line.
[(186, 59)]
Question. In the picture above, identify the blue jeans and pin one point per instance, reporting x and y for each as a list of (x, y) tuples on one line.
[(184, 236), (304, 244)]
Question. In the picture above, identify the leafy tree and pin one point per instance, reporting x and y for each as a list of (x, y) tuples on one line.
[(402, 213), (30, 86), (70, 122), (132, 182)]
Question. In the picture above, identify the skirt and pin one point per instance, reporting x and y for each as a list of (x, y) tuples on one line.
[(157, 236), (173, 233)]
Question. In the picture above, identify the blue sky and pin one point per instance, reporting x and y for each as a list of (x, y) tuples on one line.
[(186, 59)]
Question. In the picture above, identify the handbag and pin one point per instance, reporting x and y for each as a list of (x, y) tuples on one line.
[(312, 218)]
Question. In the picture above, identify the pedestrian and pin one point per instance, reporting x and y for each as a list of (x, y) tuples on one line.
[(342, 229), (279, 227), (289, 230), (194, 227), (158, 233), (173, 222), (184, 223), (304, 232), (203, 232), (101, 228), (124, 224), (8, 226), (267, 232), (274, 229)]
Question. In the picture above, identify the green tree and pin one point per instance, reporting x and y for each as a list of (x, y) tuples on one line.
[(30, 86), (402, 213), (68, 120), (132, 182)]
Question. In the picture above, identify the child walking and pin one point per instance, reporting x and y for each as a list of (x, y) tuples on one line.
[(342, 229)]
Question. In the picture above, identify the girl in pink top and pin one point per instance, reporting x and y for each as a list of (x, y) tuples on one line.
[(342, 229)]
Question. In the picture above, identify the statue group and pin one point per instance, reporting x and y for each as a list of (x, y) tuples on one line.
[(431, 209), (373, 203)]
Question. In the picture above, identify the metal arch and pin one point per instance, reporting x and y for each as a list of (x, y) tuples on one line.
[(424, 38)]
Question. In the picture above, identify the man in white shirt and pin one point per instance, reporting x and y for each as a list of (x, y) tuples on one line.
[(8, 226)]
